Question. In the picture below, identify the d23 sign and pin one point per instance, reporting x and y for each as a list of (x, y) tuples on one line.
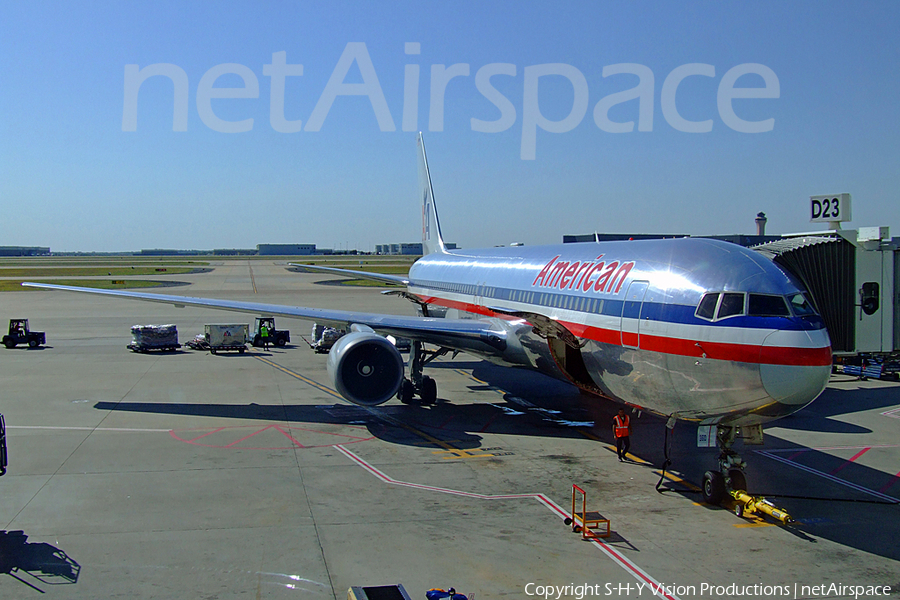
[(829, 208)]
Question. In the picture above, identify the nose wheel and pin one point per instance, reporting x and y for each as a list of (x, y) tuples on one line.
[(717, 485)]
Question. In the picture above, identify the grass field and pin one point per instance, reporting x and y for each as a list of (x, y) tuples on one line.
[(79, 271), (104, 271), (15, 285)]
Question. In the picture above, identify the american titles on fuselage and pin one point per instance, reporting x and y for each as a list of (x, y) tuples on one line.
[(577, 275)]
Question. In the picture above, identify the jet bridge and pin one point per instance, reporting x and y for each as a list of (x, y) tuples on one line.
[(853, 278)]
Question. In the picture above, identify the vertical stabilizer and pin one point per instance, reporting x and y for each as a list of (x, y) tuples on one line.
[(432, 240)]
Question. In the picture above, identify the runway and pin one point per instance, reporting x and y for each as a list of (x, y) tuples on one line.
[(189, 475)]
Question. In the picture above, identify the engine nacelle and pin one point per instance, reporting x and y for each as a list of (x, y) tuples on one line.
[(365, 368)]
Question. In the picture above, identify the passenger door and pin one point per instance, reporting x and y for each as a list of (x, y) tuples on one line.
[(631, 314)]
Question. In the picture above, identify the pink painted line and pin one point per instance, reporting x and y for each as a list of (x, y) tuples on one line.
[(611, 552), (489, 423), (796, 454), (782, 450), (247, 437), (316, 431), (852, 459), (445, 423), (206, 434), (829, 477), (288, 435), (890, 483), (892, 413)]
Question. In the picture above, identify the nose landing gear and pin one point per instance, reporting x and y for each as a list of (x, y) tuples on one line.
[(730, 482), (730, 476)]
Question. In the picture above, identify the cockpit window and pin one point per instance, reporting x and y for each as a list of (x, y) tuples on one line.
[(801, 305), (707, 308), (764, 305), (732, 305)]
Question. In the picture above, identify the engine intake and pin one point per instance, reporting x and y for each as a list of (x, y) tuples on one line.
[(365, 368)]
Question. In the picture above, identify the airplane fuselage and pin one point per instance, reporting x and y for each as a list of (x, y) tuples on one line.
[(697, 328)]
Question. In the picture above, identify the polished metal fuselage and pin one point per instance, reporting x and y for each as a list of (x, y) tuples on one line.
[(631, 306)]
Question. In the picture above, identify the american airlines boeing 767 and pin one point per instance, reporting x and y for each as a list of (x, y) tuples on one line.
[(690, 328)]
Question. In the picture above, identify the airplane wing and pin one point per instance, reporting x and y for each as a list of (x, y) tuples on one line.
[(470, 335), (379, 277)]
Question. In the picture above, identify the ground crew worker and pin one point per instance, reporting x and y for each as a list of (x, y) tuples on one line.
[(622, 431), (264, 335)]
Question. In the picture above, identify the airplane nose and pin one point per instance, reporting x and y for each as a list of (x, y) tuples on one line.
[(792, 369)]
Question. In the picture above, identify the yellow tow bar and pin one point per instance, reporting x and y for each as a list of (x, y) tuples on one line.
[(745, 504)]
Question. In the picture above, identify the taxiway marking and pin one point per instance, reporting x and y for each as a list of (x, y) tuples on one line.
[(829, 477), (287, 431), (111, 429), (630, 567), (895, 413), (851, 460)]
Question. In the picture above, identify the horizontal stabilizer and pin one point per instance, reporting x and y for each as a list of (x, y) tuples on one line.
[(350, 274)]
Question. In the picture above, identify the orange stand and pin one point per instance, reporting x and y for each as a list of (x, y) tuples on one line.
[(587, 523)]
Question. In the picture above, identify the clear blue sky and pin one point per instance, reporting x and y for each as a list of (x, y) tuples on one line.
[(74, 177)]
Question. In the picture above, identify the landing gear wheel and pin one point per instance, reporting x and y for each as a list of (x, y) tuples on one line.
[(428, 392), (406, 392), (713, 487), (738, 480)]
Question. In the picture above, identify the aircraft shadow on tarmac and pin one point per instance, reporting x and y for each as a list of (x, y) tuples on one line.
[(835, 402), (832, 498), (552, 409), (47, 564)]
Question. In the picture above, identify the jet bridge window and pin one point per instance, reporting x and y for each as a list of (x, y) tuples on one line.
[(764, 305)]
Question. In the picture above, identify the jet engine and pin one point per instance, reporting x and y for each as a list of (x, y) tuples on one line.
[(365, 368)]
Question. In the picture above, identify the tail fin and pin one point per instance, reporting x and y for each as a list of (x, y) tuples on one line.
[(432, 240)]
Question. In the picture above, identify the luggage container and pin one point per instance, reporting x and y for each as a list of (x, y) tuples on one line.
[(226, 337)]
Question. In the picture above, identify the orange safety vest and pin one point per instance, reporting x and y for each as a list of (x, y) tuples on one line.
[(621, 426)]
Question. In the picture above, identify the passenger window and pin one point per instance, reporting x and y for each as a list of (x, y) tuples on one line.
[(732, 304), (762, 305), (707, 308)]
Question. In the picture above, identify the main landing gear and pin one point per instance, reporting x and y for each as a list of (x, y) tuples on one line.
[(418, 384), (717, 485)]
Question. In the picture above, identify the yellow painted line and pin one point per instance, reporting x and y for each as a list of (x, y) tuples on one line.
[(755, 523), (677, 479), (457, 454), (295, 375), (746, 525)]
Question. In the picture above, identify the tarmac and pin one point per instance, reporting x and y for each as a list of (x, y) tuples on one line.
[(198, 476)]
